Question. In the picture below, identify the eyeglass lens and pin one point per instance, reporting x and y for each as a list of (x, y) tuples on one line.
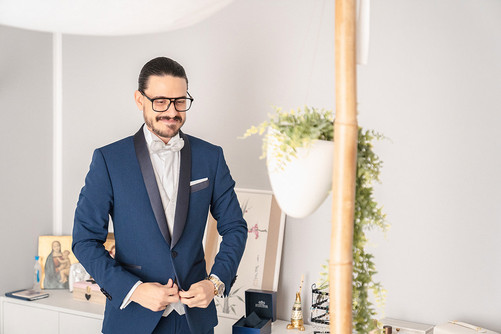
[(180, 104)]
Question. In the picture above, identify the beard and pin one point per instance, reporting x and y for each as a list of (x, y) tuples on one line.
[(160, 130)]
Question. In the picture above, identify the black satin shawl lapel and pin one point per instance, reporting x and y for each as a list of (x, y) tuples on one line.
[(143, 157), (183, 191)]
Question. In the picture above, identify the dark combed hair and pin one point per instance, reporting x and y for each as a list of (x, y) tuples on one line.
[(160, 66)]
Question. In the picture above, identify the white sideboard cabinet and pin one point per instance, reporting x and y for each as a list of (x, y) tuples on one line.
[(58, 314), (61, 314)]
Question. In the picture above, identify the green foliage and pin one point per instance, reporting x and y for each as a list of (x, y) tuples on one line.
[(368, 215), (299, 129), (292, 130)]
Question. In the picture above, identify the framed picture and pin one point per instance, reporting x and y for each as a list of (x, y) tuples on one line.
[(260, 264), (56, 258)]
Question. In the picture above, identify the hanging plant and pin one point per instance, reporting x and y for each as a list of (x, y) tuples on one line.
[(368, 216), (293, 130), (300, 129), (299, 150)]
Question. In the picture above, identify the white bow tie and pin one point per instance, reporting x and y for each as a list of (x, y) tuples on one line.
[(158, 147)]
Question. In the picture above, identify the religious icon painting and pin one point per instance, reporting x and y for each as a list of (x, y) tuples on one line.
[(56, 258)]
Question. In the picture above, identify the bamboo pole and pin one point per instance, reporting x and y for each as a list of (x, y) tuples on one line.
[(344, 171)]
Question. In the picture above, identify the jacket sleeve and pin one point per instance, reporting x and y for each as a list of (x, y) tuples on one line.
[(230, 225), (90, 230)]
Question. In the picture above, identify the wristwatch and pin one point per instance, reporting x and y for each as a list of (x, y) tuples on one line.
[(218, 285)]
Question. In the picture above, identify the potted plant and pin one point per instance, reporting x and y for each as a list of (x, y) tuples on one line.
[(293, 132), (299, 150)]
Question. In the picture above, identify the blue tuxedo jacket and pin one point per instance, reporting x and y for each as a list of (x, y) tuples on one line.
[(121, 183)]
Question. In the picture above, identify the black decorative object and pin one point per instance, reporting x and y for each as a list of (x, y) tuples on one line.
[(319, 308)]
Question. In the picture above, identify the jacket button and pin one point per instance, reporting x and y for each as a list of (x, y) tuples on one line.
[(174, 254)]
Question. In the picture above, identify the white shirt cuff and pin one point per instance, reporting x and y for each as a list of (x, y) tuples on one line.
[(127, 298)]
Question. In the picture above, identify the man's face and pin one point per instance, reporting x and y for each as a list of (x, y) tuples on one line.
[(164, 124)]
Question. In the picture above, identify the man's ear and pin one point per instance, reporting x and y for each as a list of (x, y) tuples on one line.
[(138, 98)]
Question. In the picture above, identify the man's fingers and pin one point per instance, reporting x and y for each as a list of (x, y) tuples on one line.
[(155, 296), (186, 294), (196, 296), (191, 302), (186, 301), (189, 298), (195, 302), (171, 291), (159, 308)]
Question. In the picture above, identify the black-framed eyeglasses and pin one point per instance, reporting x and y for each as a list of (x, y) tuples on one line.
[(161, 104)]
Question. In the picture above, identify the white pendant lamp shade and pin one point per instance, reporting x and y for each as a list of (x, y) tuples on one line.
[(106, 17), (304, 183)]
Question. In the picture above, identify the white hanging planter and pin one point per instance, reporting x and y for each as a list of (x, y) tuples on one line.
[(303, 183)]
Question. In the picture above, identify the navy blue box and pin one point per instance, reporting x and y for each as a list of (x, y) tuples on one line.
[(264, 304), (264, 327)]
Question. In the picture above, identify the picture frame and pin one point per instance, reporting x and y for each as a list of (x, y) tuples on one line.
[(260, 264), (56, 258)]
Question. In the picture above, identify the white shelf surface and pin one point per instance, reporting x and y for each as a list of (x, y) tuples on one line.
[(62, 301)]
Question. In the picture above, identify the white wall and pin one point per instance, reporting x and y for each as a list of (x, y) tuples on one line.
[(240, 62), (26, 152), (433, 86), (432, 64)]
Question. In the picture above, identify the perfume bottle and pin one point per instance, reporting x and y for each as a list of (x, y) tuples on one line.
[(37, 274)]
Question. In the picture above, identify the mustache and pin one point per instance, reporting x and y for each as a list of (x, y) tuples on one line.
[(176, 118)]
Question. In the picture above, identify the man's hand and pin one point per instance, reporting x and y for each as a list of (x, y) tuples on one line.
[(155, 296), (200, 294)]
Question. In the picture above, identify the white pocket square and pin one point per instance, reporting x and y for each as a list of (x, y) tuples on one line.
[(192, 183)]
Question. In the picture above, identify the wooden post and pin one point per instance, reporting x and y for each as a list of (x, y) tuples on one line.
[(344, 173)]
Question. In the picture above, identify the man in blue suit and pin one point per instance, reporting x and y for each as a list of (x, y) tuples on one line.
[(158, 187)]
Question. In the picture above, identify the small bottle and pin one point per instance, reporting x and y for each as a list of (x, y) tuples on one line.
[(387, 329), (37, 273)]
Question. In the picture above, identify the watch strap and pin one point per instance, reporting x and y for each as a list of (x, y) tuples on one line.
[(218, 285)]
